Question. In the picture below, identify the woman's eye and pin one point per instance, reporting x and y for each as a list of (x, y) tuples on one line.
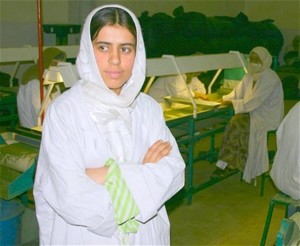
[(103, 47), (126, 49)]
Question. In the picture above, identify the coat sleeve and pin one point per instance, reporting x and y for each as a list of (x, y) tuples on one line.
[(62, 180), (153, 184), (175, 86), (198, 86), (247, 99), (34, 95)]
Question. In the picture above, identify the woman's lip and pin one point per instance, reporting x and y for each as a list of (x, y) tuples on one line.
[(113, 74)]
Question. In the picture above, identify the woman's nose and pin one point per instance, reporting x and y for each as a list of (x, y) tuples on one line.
[(114, 57)]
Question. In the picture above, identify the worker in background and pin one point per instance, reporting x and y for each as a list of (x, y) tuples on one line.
[(174, 86), (107, 162), (28, 97), (258, 105), (285, 170), (292, 58)]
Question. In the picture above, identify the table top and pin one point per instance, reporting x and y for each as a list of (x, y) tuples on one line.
[(176, 111)]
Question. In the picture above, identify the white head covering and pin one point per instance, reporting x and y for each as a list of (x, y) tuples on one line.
[(88, 70), (264, 56), (111, 112)]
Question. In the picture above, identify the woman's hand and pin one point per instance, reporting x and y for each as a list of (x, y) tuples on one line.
[(157, 151), (97, 174), (200, 95), (226, 103), (219, 100)]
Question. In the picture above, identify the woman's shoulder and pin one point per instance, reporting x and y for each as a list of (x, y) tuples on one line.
[(68, 100), (270, 72), (145, 98), (148, 109), (147, 102), (271, 76)]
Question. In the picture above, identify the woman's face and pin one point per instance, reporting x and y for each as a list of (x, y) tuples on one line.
[(114, 50), (254, 58), (255, 63)]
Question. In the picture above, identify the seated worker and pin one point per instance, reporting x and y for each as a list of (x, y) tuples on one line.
[(28, 97), (292, 57), (258, 105), (285, 170), (173, 86)]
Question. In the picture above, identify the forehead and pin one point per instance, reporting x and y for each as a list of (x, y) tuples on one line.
[(115, 34)]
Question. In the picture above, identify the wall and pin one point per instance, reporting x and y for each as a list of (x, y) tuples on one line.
[(19, 17), (286, 16), (19, 20)]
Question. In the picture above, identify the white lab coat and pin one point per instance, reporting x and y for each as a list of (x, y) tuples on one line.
[(285, 170), (73, 209), (174, 86), (29, 102), (264, 103)]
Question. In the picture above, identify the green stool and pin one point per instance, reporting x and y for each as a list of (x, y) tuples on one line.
[(278, 199), (289, 233), (265, 175)]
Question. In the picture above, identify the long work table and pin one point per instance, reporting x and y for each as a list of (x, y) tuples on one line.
[(19, 151), (8, 106), (188, 130)]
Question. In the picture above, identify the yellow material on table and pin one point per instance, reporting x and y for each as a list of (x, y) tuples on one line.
[(17, 165)]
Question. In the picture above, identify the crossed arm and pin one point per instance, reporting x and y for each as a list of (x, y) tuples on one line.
[(156, 152)]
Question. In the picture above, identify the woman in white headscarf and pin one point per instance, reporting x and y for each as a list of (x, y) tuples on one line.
[(28, 97), (259, 107), (107, 162)]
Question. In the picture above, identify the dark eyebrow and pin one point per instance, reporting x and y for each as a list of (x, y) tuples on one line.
[(130, 44), (108, 43)]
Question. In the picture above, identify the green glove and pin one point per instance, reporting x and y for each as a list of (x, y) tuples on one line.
[(125, 208)]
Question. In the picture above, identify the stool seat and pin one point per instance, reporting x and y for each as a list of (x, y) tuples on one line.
[(289, 232), (278, 199)]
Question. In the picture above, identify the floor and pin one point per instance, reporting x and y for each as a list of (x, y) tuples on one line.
[(230, 212)]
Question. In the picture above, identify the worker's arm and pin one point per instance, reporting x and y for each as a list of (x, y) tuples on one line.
[(157, 151)]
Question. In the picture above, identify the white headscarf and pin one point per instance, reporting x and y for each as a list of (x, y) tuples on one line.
[(88, 70), (111, 112), (264, 56)]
